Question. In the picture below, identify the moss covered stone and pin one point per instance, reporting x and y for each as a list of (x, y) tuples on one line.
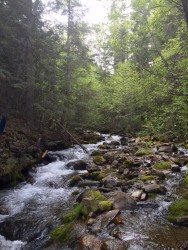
[(147, 178), (177, 210), (99, 160), (97, 175), (105, 205), (144, 151), (62, 233), (164, 165), (74, 181), (128, 163), (78, 212)]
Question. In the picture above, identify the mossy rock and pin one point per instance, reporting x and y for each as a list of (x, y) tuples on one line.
[(75, 180), (76, 192), (77, 212), (144, 151), (152, 196), (97, 176), (99, 160), (164, 165), (185, 182), (105, 205), (62, 233), (96, 195), (147, 178), (95, 153), (128, 163), (177, 210)]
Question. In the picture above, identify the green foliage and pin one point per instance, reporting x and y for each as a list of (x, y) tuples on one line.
[(74, 181), (105, 205), (78, 212), (144, 151), (147, 178), (164, 165), (178, 209), (62, 233)]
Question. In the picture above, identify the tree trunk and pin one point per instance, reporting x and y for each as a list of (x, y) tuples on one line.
[(185, 10)]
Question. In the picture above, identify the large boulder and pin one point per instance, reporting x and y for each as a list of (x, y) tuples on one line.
[(155, 188), (122, 201), (77, 165)]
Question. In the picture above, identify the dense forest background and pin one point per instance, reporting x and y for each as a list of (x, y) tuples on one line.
[(130, 74)]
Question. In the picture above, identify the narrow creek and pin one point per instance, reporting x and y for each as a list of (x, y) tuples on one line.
[(31, 210)]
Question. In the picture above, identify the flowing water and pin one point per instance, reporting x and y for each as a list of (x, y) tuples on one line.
[(31, 210)]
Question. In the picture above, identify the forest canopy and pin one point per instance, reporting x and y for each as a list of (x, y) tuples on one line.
[(129, 74)]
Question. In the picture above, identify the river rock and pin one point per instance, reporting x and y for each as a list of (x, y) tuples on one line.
[(137, 194), (109, 157), (115, 143), (96, 227), (114, 244), (122, 201), (124, 141), (92, 168), (181, 221), (109, 182), (77, 165), (89, 242), (108, 217), (89, 184), (175, 168), (155, 188)]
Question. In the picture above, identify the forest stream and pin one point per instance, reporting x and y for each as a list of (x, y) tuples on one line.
[(31, 210)]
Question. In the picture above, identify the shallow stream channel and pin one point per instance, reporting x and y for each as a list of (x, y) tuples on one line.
[(32, 209)]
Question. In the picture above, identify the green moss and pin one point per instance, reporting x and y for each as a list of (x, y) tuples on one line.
[(75, 193), (62, 233), (185, 195), (178, 209), (97, 175), (95, 153), (164, 165), (74, 181), (99, 160), (128, 163), (152, 196), (96, 195), (185, 182), (144, 151), (147, 178), (105, 205), (78, 212)]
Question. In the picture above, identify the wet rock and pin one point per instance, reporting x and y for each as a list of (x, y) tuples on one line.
[(96, 227), (108, 217), (109, 182), (159, 173), (77, 165), (165, 149), (175, 168), (109, 157), (89, 242), (155, 188), (148, 204), (3, 210), (114, 244), (181, 221), (105, 190), (124, 141), (143, 197), (89, 184), (122, 201), (55, 145), (117, 233), (93, 168), (137, 194), (99, 160), (92, 205), (115, 143)]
